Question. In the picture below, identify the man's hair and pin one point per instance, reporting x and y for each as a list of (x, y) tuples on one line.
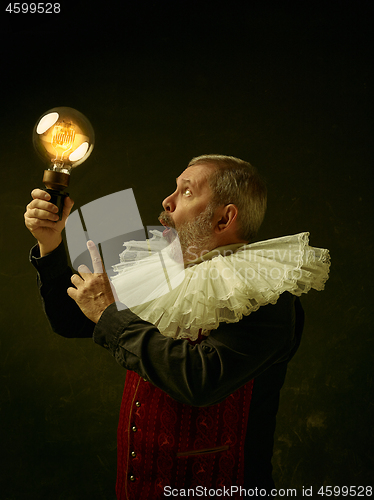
[(238, 182)]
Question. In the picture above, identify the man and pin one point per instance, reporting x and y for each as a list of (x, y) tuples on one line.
[(195, 413)]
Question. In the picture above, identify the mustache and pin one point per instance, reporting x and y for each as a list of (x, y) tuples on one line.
[(166, 220)]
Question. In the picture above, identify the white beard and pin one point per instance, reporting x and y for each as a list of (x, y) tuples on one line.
[(194, 236)]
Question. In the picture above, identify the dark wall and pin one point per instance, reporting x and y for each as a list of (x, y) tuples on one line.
[(285, 87)]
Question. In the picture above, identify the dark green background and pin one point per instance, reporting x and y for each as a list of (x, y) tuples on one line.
[(282, 85)]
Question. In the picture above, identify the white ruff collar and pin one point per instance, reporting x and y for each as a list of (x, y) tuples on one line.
[(226, 285)]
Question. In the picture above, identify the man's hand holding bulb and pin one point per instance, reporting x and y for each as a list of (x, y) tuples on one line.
[(42, 221), (92, 292)]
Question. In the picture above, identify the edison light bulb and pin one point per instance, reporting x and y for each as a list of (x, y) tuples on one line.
[(64, 138)]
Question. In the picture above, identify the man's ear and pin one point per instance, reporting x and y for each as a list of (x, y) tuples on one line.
[(227, 217)]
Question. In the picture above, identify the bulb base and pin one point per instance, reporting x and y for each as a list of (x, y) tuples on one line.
[(57, 181)]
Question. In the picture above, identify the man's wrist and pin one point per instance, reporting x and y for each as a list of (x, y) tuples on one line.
[(46, 249)]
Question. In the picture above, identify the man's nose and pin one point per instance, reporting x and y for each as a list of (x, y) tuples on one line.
[(169, 203)]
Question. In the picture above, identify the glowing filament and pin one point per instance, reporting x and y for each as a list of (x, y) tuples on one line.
[(62, 139)]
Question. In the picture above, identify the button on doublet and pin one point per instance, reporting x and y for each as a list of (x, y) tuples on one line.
[(133, 454)]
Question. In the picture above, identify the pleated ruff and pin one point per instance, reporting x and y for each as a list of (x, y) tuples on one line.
[(183, 301)]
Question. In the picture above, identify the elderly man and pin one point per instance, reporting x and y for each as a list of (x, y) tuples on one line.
[(201, 394)]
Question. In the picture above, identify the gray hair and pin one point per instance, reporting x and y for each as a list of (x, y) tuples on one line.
[(236, 181)]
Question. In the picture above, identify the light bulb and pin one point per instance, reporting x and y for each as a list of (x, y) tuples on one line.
[(64, 138)]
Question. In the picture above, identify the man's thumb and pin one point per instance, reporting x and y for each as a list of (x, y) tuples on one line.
[(68, 205)]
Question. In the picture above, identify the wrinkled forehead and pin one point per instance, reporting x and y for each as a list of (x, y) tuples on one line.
[(197, 175)]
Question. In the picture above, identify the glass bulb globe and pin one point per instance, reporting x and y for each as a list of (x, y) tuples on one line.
[(64, 138)]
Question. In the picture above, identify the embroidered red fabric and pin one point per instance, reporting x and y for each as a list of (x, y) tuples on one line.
[(165, 443)]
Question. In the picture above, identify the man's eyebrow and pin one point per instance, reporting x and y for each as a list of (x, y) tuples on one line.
[(196, 186), (184, 181)]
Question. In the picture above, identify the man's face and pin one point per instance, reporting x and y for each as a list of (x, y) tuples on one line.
[(188, 210)]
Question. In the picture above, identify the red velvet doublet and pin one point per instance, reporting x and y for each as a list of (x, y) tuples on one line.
[(165, 443)]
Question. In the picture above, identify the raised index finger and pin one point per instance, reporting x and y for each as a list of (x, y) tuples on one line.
[(97, 263)]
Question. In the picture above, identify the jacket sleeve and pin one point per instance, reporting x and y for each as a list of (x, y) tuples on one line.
[(65, 317), (205, 373)]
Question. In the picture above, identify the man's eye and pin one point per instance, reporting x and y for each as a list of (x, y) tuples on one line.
[(187, 192)]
